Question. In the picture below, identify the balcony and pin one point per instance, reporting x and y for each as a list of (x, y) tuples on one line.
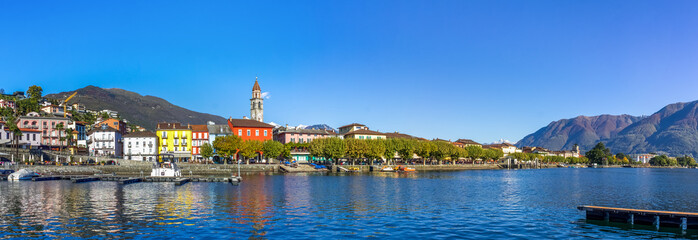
[(184, 136)]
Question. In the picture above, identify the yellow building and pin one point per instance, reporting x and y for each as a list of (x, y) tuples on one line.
[(175, 142)]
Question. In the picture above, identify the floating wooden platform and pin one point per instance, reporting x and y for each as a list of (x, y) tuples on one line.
[(84, 179), (130, 180), (38, 179), (181, 181), (682, 220)]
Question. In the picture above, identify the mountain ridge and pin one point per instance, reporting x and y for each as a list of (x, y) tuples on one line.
[(673, 129), (145, 111)]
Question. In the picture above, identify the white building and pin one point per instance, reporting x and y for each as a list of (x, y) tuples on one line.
[(112, 114), (141, 146), (507, 148), (30, 138), (105, 141)]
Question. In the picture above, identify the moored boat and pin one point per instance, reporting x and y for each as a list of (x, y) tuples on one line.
[(166, 169), (404, 169), (22, 174)]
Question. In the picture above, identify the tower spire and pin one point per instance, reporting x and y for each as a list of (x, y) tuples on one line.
[(257, 103)]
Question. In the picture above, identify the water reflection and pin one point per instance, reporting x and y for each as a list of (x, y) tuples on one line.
[(477, 204)]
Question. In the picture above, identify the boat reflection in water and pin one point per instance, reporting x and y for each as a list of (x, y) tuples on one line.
[(488, 204)]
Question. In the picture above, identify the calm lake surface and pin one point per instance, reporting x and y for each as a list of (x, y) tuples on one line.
[(490, 204)]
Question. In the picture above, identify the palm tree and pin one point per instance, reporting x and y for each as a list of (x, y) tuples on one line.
[(60, 129), (69, 136)]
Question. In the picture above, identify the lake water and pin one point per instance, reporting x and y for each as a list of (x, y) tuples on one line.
[(490, 204)]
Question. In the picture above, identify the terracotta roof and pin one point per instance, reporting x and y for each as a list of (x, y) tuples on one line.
[(199, 128), (467, 141), (29, 130), (365, 132), (141, 134), (499, 145), (247, 123), (256, 86), (353, 124), (397, 135), (168, 126)]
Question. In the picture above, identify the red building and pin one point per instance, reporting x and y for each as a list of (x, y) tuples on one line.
[(249, 129), (199, 135)]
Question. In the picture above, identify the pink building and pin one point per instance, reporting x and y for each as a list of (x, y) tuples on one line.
[(50, 134), (289, 135)]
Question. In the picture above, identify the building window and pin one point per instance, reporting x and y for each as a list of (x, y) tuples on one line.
[(265, 133), (240, 132), (248, 132), (293, 140), (256, 132)]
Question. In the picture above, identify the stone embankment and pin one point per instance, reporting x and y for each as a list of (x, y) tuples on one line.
[(144, 169), (423, 168)]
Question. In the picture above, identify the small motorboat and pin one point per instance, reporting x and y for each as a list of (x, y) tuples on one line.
[(166, 169), (387, 169), (404, 169), (235, 179), (22, 174)]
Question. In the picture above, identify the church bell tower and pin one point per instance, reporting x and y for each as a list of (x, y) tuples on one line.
[(257, 108)]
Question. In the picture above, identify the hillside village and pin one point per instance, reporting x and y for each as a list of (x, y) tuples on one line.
[(31, 121)]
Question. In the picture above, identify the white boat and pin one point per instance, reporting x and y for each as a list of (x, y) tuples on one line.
[(22, 174), (166, 169), (387, 169)]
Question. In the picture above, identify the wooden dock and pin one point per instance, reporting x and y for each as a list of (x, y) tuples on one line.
[(84, 179), (123, 180), (130, 180), (38, 179), (682, 220), (181, 181)]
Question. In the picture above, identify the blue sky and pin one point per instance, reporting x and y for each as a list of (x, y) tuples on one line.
[(484, 70)]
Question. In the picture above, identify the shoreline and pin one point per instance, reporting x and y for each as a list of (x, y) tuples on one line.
[(221, 170)]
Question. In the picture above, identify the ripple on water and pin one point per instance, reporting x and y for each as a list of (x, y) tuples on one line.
[(528, 204)]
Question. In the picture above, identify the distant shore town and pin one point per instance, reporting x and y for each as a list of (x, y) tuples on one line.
[(32, 122)]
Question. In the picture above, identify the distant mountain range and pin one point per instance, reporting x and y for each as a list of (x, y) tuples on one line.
[(672, 130), (145, 111), (321, 127)]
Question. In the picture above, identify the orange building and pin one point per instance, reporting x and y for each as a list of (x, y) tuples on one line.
[(199, 136), (249, 129), (114, 123)]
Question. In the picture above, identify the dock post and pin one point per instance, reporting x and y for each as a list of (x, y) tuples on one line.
[(631, 219), (656, 222), (684, 224)]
